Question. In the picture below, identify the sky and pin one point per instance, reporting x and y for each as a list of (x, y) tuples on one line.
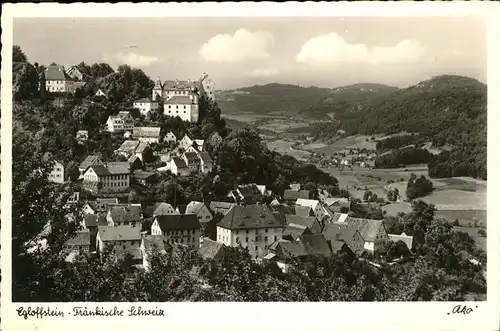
[(237, 52)]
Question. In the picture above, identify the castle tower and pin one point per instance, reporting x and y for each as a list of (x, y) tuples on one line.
[(157, 90)]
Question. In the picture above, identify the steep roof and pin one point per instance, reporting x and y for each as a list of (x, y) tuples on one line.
[(180, 163), (194, 207), (146, 131), (141, 147), (290, 248), (144, 100), (134, 159), (333, 201), (178, 85), (294, 195), (181, 209), (367, 228), (176, 222), (152, 242), (220, 206), (123, 114), (249, 217), (337, 245), (336, 232), (249, 190), (339, 217), (304, 211), (90, 220), (125, 213), (141, 175), (81, 238), (90, 160), (100, 169), (210, 248), (307, 203), (128, 146), (119, 233), (179, 100)]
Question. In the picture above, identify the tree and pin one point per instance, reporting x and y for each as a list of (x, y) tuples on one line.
[(132, 196), (25, 79), (72, 171), (18, 54), (367, 195), (481, 232)]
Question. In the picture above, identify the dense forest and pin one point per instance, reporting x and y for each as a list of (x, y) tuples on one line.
[(403, 156), (443, 110)]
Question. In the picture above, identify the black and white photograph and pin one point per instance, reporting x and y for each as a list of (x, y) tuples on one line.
[(248, 159)]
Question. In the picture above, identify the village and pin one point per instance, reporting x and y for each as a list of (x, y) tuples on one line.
[(271, 227)]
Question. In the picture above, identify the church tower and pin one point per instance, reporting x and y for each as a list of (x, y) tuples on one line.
[(157, 90)]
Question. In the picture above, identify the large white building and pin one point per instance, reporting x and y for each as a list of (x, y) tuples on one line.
[(109, 177), (145, 105), (184, 106), (57, 80), (183, 229)]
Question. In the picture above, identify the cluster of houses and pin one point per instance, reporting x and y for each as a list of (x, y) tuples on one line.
[(179, 98), (58, 79), (272, 233), (341, 160)]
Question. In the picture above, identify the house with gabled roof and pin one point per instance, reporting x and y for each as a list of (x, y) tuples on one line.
[(99, 206), (122, 239), (293, 231), (206, 163), (124, 215), (177, 166), (408, 240), (291, 196), (57, 80), (100, 93), (192, 161), (351, 236), (185, 142), (146, 134), (337, 205), (183, 229), (82, 136), (123, 121), (130, 148), (57, 173), (74, 73), (78, 244), (163, 208), (252, 226), (220, 207)]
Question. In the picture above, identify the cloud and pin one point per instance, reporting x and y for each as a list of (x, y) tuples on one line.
[(332, 48), (262, 72), (242, 46), (133, 59)]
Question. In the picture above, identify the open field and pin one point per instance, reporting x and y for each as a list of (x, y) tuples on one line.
[(285, 147), (358, 141)]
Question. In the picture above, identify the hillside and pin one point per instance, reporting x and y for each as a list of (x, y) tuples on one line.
[(307, 102), (445, 109)]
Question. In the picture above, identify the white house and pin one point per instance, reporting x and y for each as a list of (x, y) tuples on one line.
[(184, 106), (57, 80), (57, 174), (408, 240), (130, 148), (200, 210), (315, 205), (147, 134), (100, 93), (170, 137), (109, 177), (145, 105), (183, 229), (121, 122), (163, 208), (124, 215), (253, 227), (89, 160)]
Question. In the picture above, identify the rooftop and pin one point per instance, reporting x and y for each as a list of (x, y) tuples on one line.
[(178, 222), (179, 100), (249, 217), (119, 233)]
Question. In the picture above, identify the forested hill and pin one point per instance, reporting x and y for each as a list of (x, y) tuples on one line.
[(446, 109), (292, 100)]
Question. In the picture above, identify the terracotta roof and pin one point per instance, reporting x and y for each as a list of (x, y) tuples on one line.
[(294, 195), (125, 213), (119, 233), (209, 249), (81, 238), (177, 222), (179, 100), (249, 217)]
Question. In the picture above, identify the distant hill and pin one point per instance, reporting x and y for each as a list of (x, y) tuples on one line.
[(308, 102), (446, 109)]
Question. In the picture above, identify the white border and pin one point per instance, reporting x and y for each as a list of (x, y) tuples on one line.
[(221, 316)]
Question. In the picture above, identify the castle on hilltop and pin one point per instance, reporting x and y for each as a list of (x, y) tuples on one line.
[(180, 98)]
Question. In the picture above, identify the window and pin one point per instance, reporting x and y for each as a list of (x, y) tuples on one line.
[(256, 248), (275, 238), (265, 238), (246, 239), (184, 107), (177, 106), (266, 230)]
